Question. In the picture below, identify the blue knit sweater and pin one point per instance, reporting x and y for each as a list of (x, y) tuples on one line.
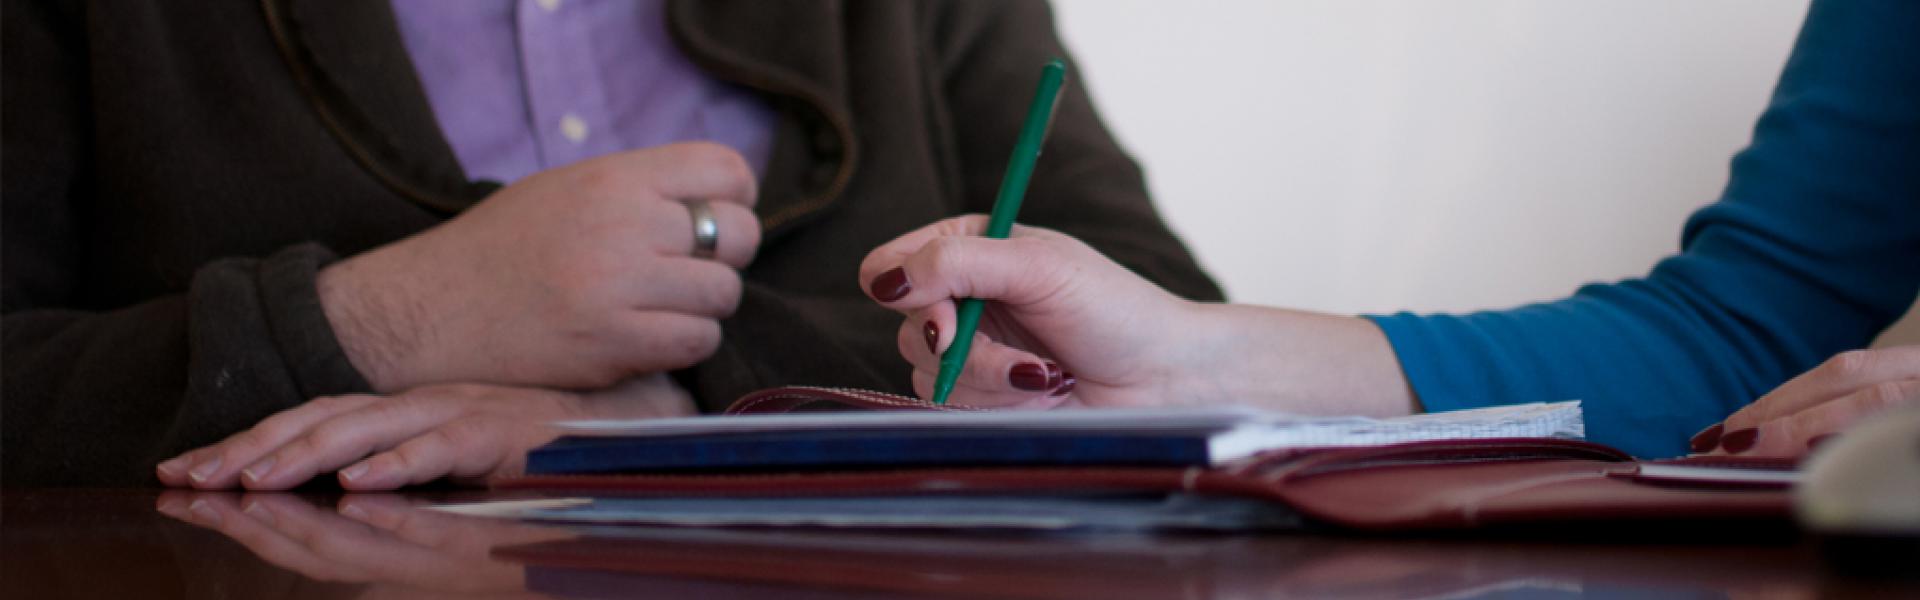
[(1812, 249)]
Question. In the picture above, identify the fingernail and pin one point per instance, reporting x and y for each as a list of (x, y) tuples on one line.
[(204, 470), (259, 513), (259, 469), (173, 508), (1707, 438), (1819, 439), (1054, 374), (1067, 381), (203, 512), (891, 285), (1031, 377), (1740, 441), (354, 512), (173, 467), (355, 471), (932, 332)]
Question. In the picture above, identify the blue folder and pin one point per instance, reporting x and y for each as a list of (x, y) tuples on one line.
[(802, 450)]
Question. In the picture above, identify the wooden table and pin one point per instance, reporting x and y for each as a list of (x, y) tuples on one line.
[(178, 544)]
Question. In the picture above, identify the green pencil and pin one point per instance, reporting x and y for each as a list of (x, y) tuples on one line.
[(1013, 189)]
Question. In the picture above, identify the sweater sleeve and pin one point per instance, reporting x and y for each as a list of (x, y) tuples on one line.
[(95, 391), (1812, 249)]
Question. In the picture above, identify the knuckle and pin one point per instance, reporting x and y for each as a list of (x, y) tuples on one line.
[(684, 345), (1909, 392), (701, 341), (602, 377), (257, 439), (1037, 250), (943, 254), (745, 227), (909, 339), (303, 448), (715, 156), (453, 390), (738, 171), (1884, 394), (469, 434), (417, 453), (325, 404), (967, 224), (330, 435), (595, 179), (723, 292), (1849, 364), (732, 164), (399, 407)]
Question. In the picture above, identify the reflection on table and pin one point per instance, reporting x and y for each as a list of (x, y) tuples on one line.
[(138, 543)]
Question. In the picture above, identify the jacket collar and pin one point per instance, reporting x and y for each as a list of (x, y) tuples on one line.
[(795, 53), (351, 62)]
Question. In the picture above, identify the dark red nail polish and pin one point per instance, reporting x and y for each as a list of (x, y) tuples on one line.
[(1707, 439), (1740, 441), (1067, 381), (932, 332), (1054, 373), (891, 285), (1817, 440), (1029, 376)]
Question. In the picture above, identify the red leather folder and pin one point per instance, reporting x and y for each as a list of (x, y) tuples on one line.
[(1433, 485)]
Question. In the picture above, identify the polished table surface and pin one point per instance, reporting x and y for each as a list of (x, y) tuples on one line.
[(179, 544)]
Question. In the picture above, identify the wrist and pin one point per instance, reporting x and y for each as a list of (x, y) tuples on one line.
[(373, 330), (1206, 354), (1293, 361)]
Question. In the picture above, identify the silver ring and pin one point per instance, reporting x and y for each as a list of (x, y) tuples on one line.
[(706, 230)]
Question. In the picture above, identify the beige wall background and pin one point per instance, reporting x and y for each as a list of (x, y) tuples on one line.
[(1376, 155)]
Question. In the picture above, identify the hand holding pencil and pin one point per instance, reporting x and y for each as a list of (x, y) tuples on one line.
[(1016, 376), (1063, 325)]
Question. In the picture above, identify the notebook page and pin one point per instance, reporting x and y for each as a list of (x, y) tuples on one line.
[(1548, 420)]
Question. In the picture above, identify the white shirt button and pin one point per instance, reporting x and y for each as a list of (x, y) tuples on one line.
[(573, 127), (548, 5)]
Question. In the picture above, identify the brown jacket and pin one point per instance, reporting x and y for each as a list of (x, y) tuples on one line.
[(176, 172)]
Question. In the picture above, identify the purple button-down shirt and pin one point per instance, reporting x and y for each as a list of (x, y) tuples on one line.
[(519, 86)]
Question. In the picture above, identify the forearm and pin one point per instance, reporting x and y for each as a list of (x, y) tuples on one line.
[(377, 326), (1292, 361)]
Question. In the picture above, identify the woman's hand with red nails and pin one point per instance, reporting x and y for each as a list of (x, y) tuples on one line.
[(1801, 413), (466, 432), (1065, 325)]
